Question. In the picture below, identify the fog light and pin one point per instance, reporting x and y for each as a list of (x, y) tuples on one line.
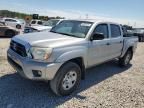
[(37, 73)]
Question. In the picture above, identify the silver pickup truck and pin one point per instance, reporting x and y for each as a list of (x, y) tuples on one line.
[(62, 55)]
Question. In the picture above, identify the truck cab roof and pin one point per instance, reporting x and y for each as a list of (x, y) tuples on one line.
[(94, 21)]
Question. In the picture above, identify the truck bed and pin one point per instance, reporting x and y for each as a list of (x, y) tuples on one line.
[(129, 41)]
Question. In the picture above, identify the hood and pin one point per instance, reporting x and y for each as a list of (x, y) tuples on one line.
[(47, 39), (41, 28)]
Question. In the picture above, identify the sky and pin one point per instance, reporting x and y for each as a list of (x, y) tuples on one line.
[(123, 11)]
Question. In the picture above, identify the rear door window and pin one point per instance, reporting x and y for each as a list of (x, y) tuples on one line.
[(115, 31)]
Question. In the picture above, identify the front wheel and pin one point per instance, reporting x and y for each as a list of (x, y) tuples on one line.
[(125, 61), (66, 80)]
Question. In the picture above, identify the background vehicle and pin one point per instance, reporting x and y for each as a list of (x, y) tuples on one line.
[(52, 22), (7, 31), (140, 33), (36, 22), (16, 23), (29, 29), (63, 54), (47, 25)]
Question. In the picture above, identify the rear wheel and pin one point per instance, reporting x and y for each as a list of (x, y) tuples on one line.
[(66, 80), (9, 33), (125, 61)]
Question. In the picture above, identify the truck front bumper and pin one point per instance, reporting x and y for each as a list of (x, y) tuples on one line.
[(31, 69)]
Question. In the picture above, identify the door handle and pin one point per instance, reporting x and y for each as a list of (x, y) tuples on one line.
[(108, 44)]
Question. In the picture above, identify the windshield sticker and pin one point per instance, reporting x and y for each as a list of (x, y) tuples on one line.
[(86, 24)]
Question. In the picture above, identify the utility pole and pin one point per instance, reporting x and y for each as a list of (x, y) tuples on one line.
[(128, 23), (135, 24)]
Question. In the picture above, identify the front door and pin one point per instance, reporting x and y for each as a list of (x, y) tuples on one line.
[(99, 49)]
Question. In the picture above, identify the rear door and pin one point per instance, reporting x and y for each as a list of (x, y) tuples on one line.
[(116, 43)]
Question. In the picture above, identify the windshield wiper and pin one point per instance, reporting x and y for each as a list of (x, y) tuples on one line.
[(70, 35), (66, 34), (53, 31), (61, 33)]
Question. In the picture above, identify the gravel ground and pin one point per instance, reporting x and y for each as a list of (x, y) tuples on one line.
[(106, 85)]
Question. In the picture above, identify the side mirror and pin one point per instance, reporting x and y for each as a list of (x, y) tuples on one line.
[(97, 36)]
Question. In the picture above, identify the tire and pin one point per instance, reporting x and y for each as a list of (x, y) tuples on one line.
[(61, 85), (125, 61), (18, 26), (9, 33)]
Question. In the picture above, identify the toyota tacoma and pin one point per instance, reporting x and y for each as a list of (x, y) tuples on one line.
[(62, 55)]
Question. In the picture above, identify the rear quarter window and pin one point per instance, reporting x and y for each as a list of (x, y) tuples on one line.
[(40, 22)]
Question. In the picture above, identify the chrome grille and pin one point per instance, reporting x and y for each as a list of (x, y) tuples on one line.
[(18, 48)]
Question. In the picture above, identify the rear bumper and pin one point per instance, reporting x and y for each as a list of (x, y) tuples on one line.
[(26, 67)]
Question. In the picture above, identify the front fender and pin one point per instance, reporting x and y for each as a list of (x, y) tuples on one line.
[(71, 55)]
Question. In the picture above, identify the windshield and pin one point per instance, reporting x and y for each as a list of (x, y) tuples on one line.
[(51, 23), (33, 22), (2, 24), (72, 28), (22, 21)]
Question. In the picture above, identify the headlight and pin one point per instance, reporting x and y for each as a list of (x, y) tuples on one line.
[(40, 53)]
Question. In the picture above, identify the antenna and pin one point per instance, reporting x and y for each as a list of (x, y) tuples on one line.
[(87, 16), (135, 24)]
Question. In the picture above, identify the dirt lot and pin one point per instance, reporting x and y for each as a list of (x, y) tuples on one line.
[(106, 85)]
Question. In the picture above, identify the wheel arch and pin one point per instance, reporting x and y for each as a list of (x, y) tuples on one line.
[(80, 62), (131, 48)]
